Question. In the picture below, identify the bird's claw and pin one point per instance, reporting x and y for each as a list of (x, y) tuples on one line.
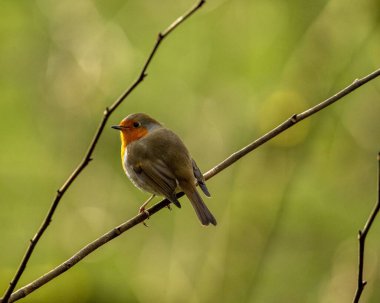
[(169, 207), (143, 210)]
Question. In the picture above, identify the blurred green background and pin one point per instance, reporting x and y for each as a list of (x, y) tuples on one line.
[(288, 213)]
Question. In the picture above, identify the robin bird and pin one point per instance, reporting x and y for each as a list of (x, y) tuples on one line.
[(157, 161)]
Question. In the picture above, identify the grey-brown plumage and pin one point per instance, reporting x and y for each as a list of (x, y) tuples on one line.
[(157, 161)]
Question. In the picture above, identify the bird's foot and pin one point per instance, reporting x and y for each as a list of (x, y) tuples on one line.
[(143, 210)]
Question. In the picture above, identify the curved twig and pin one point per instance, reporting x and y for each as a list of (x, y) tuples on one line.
[(87, 158), (117, 231), (362, 236)]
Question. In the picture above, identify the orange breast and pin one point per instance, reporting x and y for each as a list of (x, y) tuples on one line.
[(130, 135)]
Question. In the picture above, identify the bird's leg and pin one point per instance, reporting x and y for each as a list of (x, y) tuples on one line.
[(142, 207)]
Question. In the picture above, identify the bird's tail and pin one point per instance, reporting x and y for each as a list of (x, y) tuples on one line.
[(203, 213)]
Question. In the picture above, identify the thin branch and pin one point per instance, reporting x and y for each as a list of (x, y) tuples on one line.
[(87, 158), (362, 236), (290, 122), (117, 231)]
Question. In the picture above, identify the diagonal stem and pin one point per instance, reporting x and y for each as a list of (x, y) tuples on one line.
[(117, 231), (87, 158), (290, 122), (362, 237)]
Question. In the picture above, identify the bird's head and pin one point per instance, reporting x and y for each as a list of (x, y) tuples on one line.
[(135, 127)]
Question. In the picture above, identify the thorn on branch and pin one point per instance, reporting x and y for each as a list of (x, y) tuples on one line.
[(294, 118), (106, 111)]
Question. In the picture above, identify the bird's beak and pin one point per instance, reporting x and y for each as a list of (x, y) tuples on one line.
[(117, 127)]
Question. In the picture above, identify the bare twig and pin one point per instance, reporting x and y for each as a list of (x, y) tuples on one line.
[(290, 122), (87, 158), (117, 231), (362, 236)]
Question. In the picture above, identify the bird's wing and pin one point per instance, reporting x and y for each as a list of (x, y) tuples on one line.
[(201, 181), (158, 177)]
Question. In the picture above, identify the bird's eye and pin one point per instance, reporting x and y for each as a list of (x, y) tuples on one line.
[(136, 124)]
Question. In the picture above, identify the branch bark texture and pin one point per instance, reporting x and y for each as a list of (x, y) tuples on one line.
[(362, 237), (117, 231), (87, 158)]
